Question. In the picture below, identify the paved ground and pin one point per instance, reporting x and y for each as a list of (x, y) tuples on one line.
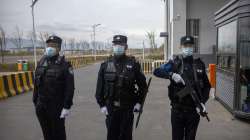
[(18, 120)]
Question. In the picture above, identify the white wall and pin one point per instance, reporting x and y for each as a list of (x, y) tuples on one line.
[(204, 10), (178, 23)]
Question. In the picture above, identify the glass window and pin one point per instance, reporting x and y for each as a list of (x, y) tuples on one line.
[(244, 34), (227, 42)]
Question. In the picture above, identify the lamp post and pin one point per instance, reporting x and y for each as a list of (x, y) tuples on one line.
[(143, 50), (34, 31), (94, 29)]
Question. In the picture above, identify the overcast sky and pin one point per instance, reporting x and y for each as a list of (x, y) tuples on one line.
[(74, 18)]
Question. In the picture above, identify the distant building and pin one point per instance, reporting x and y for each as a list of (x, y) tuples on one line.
[(27, 46), (26, 49)]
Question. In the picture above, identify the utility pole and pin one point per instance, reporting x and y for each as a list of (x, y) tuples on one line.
[(143, 51), (94, 30), (34, 31)]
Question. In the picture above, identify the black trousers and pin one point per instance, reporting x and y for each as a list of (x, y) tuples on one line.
[(120, 124), (184, 124), (53, 127)]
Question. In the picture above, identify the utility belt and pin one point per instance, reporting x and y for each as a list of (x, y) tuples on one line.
[(119, 105), (182, 108)]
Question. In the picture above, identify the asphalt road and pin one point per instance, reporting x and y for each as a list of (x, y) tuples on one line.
[(18, 120)]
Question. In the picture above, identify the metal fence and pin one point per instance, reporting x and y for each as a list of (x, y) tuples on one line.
[(148, 66)]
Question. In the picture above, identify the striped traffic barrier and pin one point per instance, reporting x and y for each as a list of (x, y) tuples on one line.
[(8, 85), (148, 66), (23, 81), (16, 84), (20, 88), (3, 93), (157, 64), (28, 80), (31, 79)]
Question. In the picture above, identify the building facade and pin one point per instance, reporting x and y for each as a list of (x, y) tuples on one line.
[(196, 18), (233, 65)]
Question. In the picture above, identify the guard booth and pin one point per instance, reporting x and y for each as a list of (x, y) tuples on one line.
[(233, 57)]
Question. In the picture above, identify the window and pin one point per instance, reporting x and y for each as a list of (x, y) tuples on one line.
[(227, 42), (244, 34)]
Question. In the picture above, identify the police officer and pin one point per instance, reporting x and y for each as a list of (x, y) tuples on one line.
[(53, 91), (184, 113), (116, 91)]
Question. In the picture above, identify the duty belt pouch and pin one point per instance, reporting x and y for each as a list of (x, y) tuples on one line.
[(120, 81), (110, 77), (39, 74), (197, 81)]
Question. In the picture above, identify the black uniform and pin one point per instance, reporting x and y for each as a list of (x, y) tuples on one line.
[(54, 90), (184, 116), (117, 91)]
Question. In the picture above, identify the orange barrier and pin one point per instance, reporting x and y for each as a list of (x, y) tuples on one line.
[(212, 75)]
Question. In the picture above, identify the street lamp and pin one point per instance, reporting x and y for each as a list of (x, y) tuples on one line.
[(94, 29), (34, 31), (143, 50)]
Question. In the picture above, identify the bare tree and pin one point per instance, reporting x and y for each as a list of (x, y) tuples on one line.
[(85, 45), (30, 36), (2, 42), (77, 47), (43, 36), (151, 38), (72, 45), (17, 39), (64, 46)]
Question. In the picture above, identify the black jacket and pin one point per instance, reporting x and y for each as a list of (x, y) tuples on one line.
[(54, 82), (126, 74), (185, 65)]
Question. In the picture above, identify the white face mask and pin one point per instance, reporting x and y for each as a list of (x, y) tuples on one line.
[(187, 51), (118, 50), (50, 51)]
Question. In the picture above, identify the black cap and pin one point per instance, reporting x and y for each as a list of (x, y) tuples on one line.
[(119, 39), (187, 40), (54, 39)]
